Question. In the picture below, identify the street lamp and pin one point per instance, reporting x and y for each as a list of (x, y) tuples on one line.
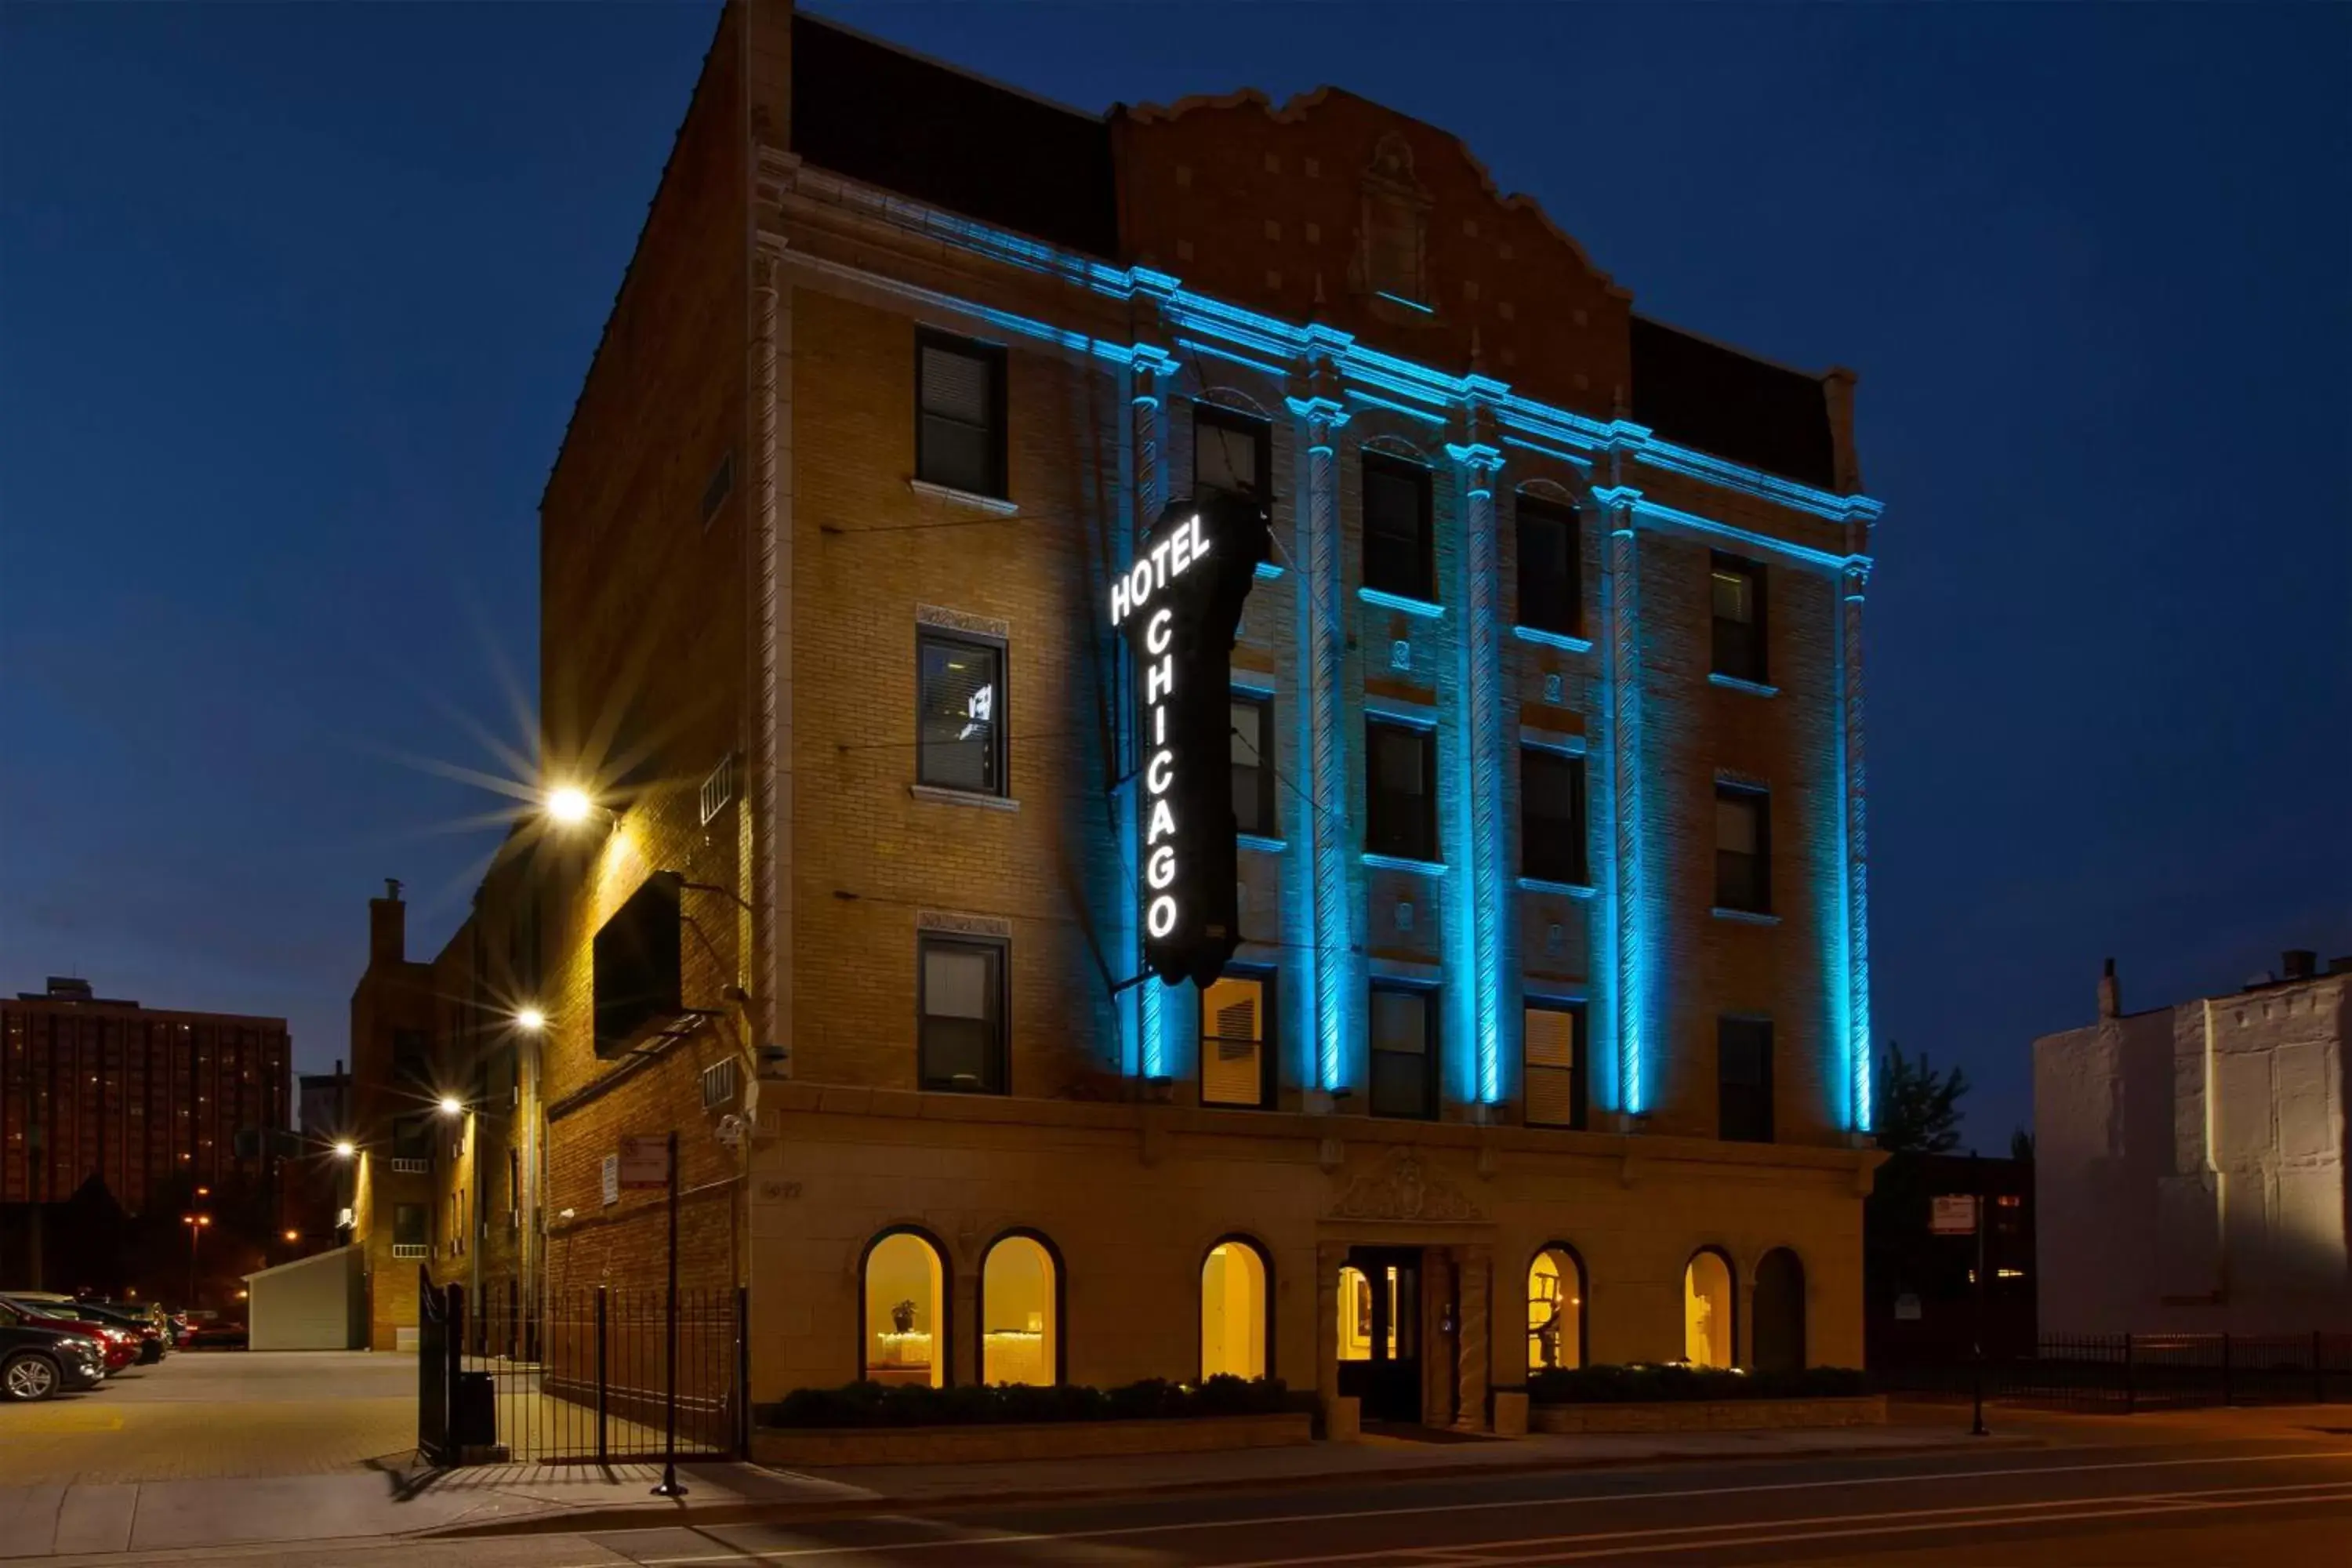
[(569, 805), (195, 1224), (452, 1105), (345, 1149), (530, 1020)]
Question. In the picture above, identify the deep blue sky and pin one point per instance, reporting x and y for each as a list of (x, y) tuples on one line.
[(294, 300)]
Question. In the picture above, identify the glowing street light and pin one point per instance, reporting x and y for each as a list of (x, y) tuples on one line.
[(569, 805), (530, 1020), (293, 1236), (345, 1148), (451, 1105)]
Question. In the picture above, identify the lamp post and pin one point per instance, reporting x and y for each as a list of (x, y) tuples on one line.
[(195, 1224)]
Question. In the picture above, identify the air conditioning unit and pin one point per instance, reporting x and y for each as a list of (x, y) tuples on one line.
[(722, 1085)]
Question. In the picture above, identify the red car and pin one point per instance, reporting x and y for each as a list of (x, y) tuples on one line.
[(120, 1346)]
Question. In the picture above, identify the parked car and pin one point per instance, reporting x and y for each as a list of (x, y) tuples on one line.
[(36, 1359), (135, 1323), (219, 1334), (118, 1347)]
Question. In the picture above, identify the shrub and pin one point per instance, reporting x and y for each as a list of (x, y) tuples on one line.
[(1644, 1384), (1153, 1399)]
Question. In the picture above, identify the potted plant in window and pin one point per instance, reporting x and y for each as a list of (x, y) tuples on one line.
[(902, 1317)]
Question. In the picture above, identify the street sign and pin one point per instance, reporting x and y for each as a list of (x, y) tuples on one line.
[(1953, 1216), (645, 1163), (612, 1180)]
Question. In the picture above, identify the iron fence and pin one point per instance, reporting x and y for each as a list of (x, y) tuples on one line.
[(583, 1376), (2126, 1372)]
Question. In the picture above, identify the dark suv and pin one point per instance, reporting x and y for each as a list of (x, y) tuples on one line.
[(36, 1362)]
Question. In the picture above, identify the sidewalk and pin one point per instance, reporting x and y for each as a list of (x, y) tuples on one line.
[(186, 1516)]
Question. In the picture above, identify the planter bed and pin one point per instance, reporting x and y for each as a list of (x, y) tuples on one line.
[(800, 1448), (1709, 1414)]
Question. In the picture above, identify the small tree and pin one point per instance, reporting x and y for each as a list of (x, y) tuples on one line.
[(1918, 1108), (2020, 1145)]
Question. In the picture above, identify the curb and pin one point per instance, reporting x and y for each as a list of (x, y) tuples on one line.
[(648, 1516)]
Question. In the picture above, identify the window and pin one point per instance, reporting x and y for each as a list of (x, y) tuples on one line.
[(1234, 1309), (959, 725), (1404, 1051), (1779, 1329), (1551, 816), (1018, 1334), (412, 1056), (960, 414), (906, 1340), (1743, 1076), (1236, 1065), (1743, 849), (1555, 1311), (1551, 568), (1400, 790), (1553, 1038), (963, 1046), (1253, 723), (1231, 451), (1398, 558), (412, 1138), (1737, 587), (408, 1225), (1707, 1338), (1355, 1305)]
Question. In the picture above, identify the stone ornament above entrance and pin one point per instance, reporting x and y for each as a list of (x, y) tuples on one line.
[(1401, 1189)]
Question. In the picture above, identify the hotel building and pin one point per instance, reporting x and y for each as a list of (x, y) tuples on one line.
[(1546, 1034)]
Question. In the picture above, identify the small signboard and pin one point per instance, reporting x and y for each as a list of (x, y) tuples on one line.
[(645, 1163), (1953, 1216), (612, 1180), (1906, 1308)]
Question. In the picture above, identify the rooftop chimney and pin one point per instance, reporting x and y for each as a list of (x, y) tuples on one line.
[(387, 926), (2111, 993), (2298, 963)]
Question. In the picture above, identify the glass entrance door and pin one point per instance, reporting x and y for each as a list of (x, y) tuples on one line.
[(1380, 1331)]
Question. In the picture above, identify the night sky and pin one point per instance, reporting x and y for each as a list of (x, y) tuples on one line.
[(294, 302)]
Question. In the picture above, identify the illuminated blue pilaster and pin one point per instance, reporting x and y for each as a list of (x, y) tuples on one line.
[(1148, 1052), (1629, 998), (1329, 907), (1856, 978), (1482, 896)]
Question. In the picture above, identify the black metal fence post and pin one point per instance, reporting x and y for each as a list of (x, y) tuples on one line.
[(669, 1487), (603, 1382), (2318, 1372), (743, 1371), (2225, 1368), (2131, 1391)]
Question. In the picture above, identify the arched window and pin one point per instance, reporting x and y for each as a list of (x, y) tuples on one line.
[(1779, 1313), (1709, 1339), (1020, 1290), (1555, 1311), (906, 1339), (1234, 1310)]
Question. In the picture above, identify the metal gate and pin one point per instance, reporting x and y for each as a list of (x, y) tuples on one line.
[(582, 1376)]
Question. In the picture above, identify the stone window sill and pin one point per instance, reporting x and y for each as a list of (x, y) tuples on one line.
[(1745, 917), (1552, 639), (1566, 889), (934, 794), (1733, 683), (1403, 602), (1405, 863), (1261, 843), (994, 505)]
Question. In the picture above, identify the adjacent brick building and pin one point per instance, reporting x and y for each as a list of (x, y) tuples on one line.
[(1546, 1038)]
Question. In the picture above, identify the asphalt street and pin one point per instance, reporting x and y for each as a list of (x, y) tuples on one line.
[(2282, 1501)]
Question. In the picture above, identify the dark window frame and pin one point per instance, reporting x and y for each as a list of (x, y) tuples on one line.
[(1239, 422), (1423, 840), (1431, 1078), (1269, 822), (1269, 980), (1424, 584), (1579, 1069), (994, 484), (1557, 609), (423, 1228), (999, 783), (1726, 896), (1576, 869), (1741, 651), (1000, 950), (1744, 1111)]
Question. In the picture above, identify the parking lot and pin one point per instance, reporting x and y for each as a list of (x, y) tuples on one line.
[(207, 1414)]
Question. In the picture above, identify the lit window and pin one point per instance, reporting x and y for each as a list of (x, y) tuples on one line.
[(1355, 1314), (1252, 764), (1399, 557), (1231, 452), (1400, 790), (1555, 1064), (905, 1343), (959, 743), (1706, 1311), (1555, 1311), (963, 1043), (1735, 589), (960, 414), (1743, 849), (1551, 816), (1234, 1311), (1017, 1292), (1233, 1054), (1550, 568), (1404, 1051)]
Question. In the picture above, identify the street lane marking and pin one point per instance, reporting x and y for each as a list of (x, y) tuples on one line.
[(783, 1555), (2025, 1512)]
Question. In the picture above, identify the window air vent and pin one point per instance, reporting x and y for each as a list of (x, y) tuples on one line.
[(406, 1249), (718, 788), (412, 1167), (720, 1082)]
